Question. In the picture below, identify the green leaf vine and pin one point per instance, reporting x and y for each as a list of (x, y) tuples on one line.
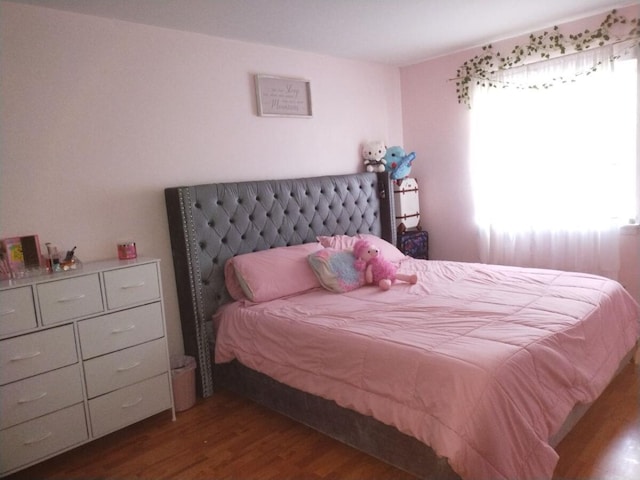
[(482, 68)]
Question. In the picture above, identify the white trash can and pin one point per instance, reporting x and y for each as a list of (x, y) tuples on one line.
[(183, 381)]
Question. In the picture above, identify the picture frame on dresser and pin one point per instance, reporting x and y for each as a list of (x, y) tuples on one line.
[(82, 353), (19, 256)]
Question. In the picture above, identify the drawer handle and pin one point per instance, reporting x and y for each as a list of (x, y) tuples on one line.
[(8, 312), (123, 330), (133, 285), (129, 367), (42, 437), (32, 399), (133, 403), (26, 356), (71, 299)]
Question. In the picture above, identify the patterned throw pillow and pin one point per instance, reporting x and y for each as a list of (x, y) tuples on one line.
[(335, 270)]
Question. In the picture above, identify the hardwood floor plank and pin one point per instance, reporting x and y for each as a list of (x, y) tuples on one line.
[(228, 437), (605, 444)]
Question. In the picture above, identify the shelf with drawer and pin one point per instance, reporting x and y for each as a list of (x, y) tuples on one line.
[(125, 367), (119, 330), (38, 352), (69, 298), (17, 312), (129, 286), (36, 396), (82, 353), (127, 405), (42, 437)]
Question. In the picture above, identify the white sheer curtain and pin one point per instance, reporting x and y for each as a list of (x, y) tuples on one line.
[(554, 169)]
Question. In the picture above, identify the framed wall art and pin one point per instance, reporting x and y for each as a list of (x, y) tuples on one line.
[(283, 97)]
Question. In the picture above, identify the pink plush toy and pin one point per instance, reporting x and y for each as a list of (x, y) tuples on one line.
[(376, 269)]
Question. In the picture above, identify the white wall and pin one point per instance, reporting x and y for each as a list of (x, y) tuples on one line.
[(97, 117)]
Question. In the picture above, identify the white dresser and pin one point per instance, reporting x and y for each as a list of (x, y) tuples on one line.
[(82, 353)]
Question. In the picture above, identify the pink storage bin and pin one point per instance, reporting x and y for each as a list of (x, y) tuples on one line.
[(183, 381)]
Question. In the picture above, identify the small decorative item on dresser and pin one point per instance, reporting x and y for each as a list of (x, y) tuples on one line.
[(56, 262), (127, 251), (414, 243)]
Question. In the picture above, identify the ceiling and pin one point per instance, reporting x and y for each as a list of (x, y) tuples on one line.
[(395, 32)]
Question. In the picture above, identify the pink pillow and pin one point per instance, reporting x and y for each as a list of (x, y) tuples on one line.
[(345, 242), (231, 281), (275, 273)]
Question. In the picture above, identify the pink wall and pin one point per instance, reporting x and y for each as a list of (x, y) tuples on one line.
[(99, 116), (436, 127)]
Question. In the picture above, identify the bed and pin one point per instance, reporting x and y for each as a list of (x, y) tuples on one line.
[(210, 224)]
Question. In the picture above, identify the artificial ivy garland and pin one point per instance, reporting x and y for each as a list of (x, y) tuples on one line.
[(481, 68)]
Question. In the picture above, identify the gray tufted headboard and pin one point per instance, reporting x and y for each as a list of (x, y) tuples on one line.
[(209, 224)]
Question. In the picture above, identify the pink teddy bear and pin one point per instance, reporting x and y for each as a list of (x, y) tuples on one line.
[(376, 269)]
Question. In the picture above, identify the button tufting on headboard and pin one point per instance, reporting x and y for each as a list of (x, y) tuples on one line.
[(209, 224)]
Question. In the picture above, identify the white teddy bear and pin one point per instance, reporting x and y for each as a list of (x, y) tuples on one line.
[(373, 154)]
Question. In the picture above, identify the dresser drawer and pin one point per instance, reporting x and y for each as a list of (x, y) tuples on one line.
[(130, 404), (43, 436), (35, 353), (17, 312), (39, 395), (110, 372), (131, 285), (70, 298), (120, 330)]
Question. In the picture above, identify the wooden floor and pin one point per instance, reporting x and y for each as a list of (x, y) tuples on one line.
[(227, 437)]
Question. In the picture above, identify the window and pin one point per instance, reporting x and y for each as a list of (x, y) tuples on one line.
[(554, 170)]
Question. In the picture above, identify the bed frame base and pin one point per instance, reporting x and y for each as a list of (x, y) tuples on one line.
[(361, 432), (581, 409)]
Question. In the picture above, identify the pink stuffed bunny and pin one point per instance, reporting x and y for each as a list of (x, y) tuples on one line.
[(376, 269)]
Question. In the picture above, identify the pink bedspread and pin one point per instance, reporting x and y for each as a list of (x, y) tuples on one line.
[(482, 363)]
